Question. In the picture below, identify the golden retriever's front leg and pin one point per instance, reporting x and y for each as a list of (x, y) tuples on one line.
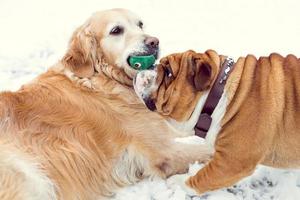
[(175, 157)]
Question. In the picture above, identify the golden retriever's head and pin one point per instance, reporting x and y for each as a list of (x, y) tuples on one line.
[(180, 79), (108, 38)]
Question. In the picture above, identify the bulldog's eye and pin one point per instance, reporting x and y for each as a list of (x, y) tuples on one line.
[(168, 72), (140, 24), (117, 30)]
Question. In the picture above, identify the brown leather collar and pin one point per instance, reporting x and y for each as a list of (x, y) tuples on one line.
[(213, 98)]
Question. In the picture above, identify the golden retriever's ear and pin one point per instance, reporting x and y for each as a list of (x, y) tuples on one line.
[(81, 56), (203, 72)]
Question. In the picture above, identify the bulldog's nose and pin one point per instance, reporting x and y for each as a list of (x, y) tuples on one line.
[(152, 42)]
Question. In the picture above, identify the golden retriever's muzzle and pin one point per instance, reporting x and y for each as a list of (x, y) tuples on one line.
[(152, 44), (150, 47)]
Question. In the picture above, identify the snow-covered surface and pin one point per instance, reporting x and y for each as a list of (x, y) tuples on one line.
[(34, 35)]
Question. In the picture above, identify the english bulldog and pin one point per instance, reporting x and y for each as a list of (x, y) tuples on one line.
[(255, 119)]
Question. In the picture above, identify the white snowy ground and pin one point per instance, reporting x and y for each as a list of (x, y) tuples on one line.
[(34, 35)]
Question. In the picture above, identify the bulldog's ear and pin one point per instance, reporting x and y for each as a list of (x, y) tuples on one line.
[(202, 75), (81, 57)]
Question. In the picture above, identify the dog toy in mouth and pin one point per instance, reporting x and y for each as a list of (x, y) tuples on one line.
[(141, 62)]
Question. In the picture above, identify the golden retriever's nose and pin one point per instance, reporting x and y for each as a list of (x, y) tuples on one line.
[(152, 42)]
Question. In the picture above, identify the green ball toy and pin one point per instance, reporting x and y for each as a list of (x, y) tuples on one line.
[(141, 62)]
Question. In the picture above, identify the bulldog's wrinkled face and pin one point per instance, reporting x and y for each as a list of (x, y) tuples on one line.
[(174, 87)]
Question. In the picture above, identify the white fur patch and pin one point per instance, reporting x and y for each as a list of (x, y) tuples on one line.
[(217, 116), (190, 140), (187, 128), (131, 167)]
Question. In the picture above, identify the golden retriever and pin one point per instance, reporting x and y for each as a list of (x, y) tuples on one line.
[(78, 131)]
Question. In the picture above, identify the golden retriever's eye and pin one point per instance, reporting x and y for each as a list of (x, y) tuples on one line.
[(117, 30), (140, 24)]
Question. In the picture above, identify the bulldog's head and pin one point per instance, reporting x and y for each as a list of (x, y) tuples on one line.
[(174, 87)]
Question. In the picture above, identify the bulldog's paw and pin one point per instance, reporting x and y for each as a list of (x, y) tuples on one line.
[(144, 83), (180, 180)]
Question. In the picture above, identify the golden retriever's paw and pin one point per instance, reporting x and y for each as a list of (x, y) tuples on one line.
[(179, 180), (86, 83)]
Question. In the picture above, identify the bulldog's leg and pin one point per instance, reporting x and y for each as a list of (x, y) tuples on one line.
[(231, 162), (220, 172)]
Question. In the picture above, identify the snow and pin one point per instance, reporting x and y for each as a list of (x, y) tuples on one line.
[(34, 35)]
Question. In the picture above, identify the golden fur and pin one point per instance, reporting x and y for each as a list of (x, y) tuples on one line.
[(78, 131), (261, 122)]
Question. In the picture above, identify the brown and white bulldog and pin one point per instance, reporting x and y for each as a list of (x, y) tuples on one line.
[(256, 120)]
